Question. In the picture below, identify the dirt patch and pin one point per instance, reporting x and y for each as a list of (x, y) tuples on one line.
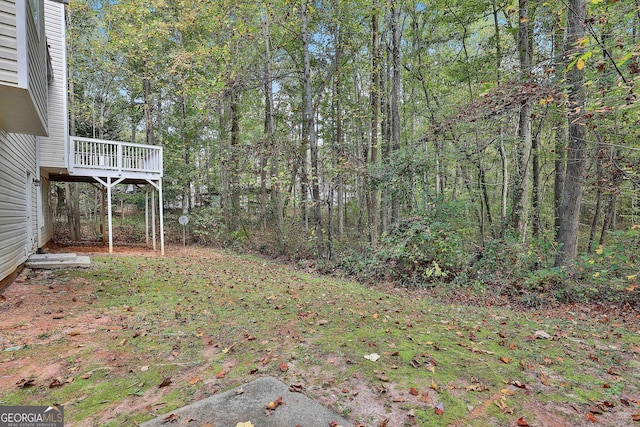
[(54, 327)]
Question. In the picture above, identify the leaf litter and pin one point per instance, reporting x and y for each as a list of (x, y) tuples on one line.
[(196, 313)]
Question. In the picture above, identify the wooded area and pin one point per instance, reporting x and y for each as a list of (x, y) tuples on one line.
[(419, 136)]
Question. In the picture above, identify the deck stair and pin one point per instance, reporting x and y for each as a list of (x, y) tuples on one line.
[(62, 260)]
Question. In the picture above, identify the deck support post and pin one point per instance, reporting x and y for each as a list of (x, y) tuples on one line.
[(153, 217), (109, 186), (146, 215), (161, 212), (110, 215), (157, 186)]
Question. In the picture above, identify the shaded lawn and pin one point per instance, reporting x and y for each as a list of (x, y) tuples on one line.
[(101, 341)]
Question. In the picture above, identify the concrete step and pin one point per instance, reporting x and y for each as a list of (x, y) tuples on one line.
[(52, 257), (50, 261)]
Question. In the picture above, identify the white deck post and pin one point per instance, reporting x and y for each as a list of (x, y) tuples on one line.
[(109, 215), (153, 217), (146, 214), (161, 211)]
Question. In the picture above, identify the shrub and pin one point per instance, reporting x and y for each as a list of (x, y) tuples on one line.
[(420, 251), (207, 226)]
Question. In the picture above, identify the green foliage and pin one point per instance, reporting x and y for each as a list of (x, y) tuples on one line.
[(421, 251), (207, 226)]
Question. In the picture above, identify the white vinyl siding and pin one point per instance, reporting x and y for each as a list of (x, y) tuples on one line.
[(17, 157), (8, 43), (52, 148), (23, 54), (38, 65), (46, 210)]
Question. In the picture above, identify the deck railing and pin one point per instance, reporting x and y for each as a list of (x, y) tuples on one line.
[(122, 158)]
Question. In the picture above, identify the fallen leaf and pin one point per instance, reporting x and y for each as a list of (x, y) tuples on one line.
[(194, 380), (295, 388), (144, 368), (522, 422), (543, 379), (245, 424), (505, 359), (433, 385), (595, 410), (476, 387), (398, 399), (284, 367), (239, 391), (382, 377), (426, 399), (171, 418), (207, 425), (86, 376), (228, 349), (439, 408), (56, 383), (372, 357), (221, 374), (590, 417), (541, 334), (23, 383), (274, 404), (635, 417), (165, 382), (384, 423), (413, 391)]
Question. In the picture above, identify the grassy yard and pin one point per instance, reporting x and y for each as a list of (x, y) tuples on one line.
[(140, 335)]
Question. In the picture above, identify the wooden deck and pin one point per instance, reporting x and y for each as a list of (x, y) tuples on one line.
[(90, 157)]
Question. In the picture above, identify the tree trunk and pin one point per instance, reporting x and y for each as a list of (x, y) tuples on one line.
[(576, 146), (234, 169), (339, 131), (504, 160), (395, 95), (309, 133), (148, 109), (225, 186), (535, 192), (72, 202), (372, 207), (519, 212)]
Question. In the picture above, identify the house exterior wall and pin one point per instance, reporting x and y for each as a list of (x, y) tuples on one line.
[(53, 147), (18, 200), (8, 43), (45, 212), (23, 50), (25, 104)]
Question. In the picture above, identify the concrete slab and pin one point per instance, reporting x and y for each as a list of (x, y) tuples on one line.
[(52, 257), (66, 261), (248, 403)]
